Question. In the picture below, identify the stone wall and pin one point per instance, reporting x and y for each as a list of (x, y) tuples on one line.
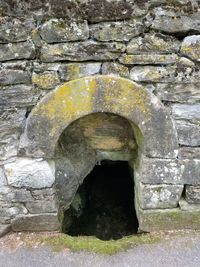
[(46, 43)]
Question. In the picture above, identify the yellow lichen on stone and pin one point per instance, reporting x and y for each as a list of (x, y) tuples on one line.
[(45, 80)]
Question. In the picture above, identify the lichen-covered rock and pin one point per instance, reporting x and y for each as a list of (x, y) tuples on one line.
[(13, 51), (115, 69), (3, 180), (190, 47), (177, 92), (20, 95), (158, 196), (59, 30), (146, 59), (14, 30), (81, 51), (73, 71), (117, 31), (46, 80), (165, 74), (192, 194), (33, 173), (36, 222), (188, 133), (170, 21), (153, 43)]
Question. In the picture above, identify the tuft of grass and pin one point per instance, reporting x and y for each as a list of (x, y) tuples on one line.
[(93, 244)]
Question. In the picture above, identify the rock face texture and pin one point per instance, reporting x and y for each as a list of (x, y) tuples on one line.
[(135, 62)]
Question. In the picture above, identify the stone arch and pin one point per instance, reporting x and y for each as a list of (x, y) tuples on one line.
[(88, 95)]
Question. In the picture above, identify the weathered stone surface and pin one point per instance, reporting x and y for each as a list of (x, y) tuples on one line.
[(186, 111), (13, 51), (183, 61), (38, 222), (3, 180), (186, 152), (20, 95), (192, 194), (11, 123), (168, 171), (95, 94), (168, 219), (44, 194), (59, 30), (170, 21), (117, 31), (158, 196), (153, 43), (31, 173), (73, 71), (182, 93), (188, 133), (115, 69), (81, 51), (14, 77), (46, 80), (4, 229), (14, 30), (185, 206), (190, 47), (18, 195), (165, 74), (41, 206), (9, 210), (146, 59)]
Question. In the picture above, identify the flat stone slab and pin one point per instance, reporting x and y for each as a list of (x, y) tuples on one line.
[(4, 229), (37, 222)]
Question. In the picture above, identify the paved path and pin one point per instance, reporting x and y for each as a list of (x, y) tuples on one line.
[(179, 251)]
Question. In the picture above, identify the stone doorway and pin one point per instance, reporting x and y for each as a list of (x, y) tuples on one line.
[(104, 204)]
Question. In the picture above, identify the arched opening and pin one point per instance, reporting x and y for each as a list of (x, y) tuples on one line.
[(104, 203), (94, 177)]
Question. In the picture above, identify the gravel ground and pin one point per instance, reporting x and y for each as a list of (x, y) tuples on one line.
[(183, 251)]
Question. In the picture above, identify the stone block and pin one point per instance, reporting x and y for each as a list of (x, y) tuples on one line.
[(19, 95), (43, 194), (146, 59), (8, 210), (177, 92), (46, 80), (14, 29), (19, 195), (73, 71), (41, 206), (158, 196), (115, 68), (170, 21), (185, 206), (117, 31), (9, 144), (190, 47), (168, 171), (186, 152), (8, 77), (33, 173), (3, 180), (188, 133), (36, 222), (165, 74), (153, 43), (13, 51), (186, 112), (192, 194), (168, 219), (81, 51), (60, 30)]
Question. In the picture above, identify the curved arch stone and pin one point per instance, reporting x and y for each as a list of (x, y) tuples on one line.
[(89, 95)]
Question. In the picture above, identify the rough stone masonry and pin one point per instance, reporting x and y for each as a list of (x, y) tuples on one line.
[(148, 55)]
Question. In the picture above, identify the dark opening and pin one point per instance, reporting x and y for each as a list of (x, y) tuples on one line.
[(108, 210)]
